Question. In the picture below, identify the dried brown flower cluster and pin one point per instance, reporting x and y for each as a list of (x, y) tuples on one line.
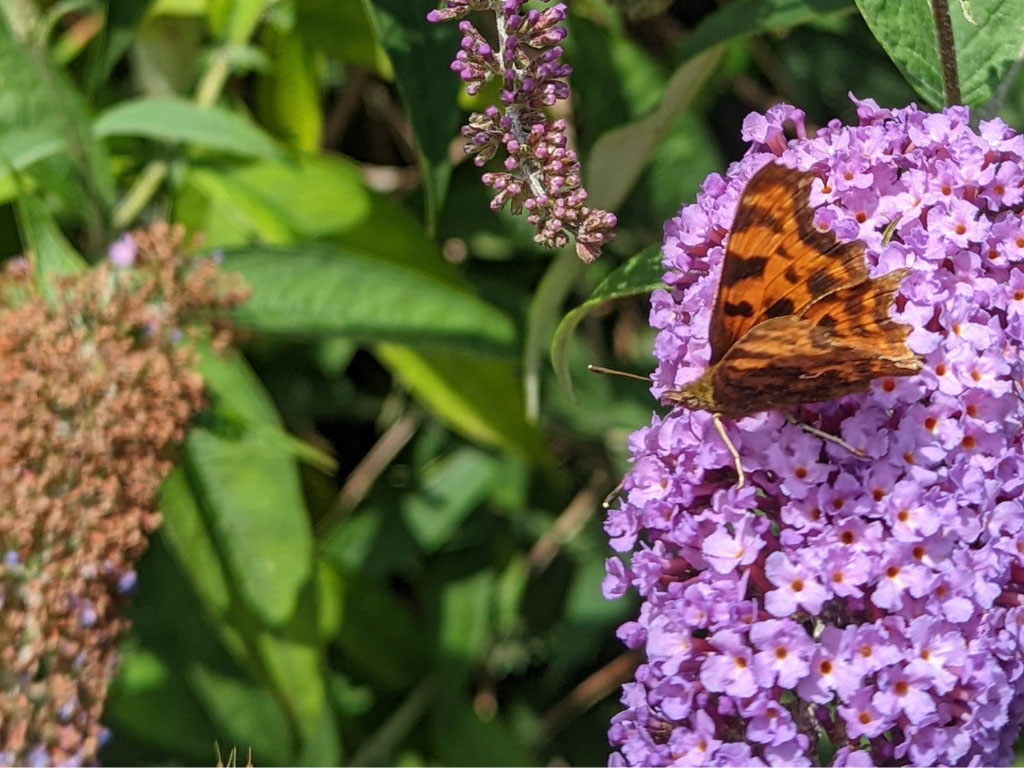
[(96, 390)]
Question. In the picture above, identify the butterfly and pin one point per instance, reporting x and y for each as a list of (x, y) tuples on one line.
[(797, 319)]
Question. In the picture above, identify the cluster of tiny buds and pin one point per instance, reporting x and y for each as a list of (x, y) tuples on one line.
[(541, 174)]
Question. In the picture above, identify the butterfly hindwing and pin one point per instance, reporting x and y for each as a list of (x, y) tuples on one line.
[(836, 348), (862, 311), (777, 262), (789, 361)]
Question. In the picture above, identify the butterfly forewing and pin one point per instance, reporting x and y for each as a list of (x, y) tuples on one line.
[(777, 262)]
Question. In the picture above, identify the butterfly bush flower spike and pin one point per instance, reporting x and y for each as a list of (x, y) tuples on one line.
[(856, 611), (540, 175)]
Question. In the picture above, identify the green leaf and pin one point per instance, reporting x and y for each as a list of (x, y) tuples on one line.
[(52, 255), (341, 29), (743, 18), (349, 699), (621, 154), (251, 487), (640, 275), (209, 537), (234, 21), (21, 149), (189, 540), (245, 713), (147, 688), (40, 106), (177, 120), (373, 542), (313, 289), (122, 20), (236, 392), (330, 596), (288, 94), (381, 637), (465, 622), (479, 742), (420, 54), (619, 82), (178, 7), (680, 164), (476, 396), (293, 660), (322, 743), (985, 51), (452, 488), (308, 198)]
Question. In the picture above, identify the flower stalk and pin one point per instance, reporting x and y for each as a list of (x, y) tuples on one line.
[(947, 52)]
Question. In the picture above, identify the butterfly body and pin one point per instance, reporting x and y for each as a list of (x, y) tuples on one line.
[(797, 320)]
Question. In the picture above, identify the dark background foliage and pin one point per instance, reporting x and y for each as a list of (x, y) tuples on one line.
[(382, 541)]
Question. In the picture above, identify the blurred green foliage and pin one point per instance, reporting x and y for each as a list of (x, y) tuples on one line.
[(383, 541)]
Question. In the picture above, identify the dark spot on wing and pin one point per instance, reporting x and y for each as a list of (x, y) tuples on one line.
[(821, 283), (826, 321), (743, 309), (738, 268), (751, 216), (780, 308), (854, 305), (792, 276)]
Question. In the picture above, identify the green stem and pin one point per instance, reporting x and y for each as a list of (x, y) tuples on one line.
[(213, 80), (146, 185), (947, 52)]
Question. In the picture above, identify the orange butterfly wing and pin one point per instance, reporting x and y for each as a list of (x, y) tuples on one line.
[(836, 348), (797, 319), (777, 262)]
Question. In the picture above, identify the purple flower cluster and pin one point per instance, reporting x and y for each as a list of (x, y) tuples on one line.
[(839, 609), (542, 175)]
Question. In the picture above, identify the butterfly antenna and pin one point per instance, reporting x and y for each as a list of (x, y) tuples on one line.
[(716, 419), (623, 374), (612, 494)]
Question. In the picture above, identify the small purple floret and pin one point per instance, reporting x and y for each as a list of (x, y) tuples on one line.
[(122, 251)]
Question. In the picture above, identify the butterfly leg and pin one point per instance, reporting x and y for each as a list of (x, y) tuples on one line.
[(716, 419), (824, 435)]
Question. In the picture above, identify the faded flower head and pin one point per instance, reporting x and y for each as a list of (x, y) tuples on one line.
[(95, 389), (541, 174), (869, 611)]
